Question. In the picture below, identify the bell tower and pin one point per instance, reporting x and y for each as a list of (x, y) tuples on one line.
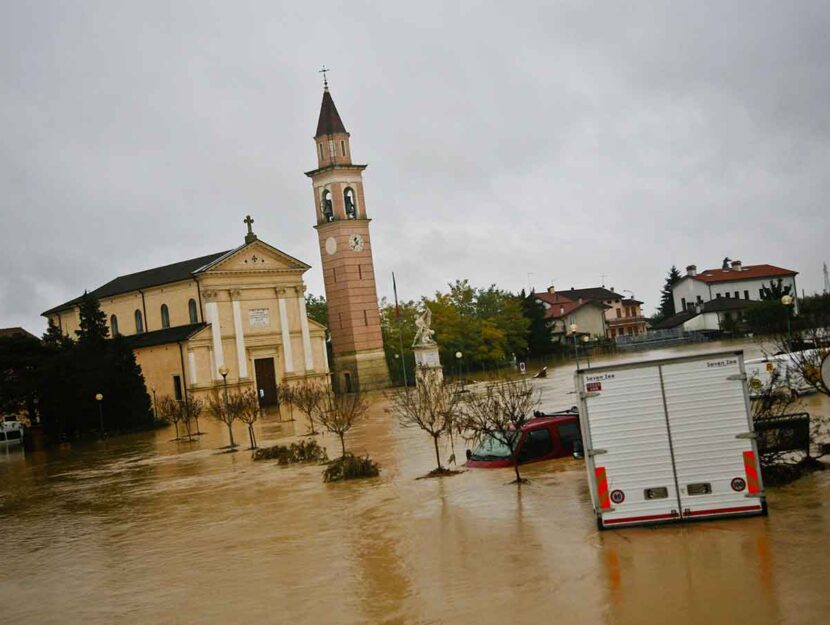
[(342, 225)]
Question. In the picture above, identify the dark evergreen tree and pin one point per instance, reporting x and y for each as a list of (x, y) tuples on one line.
[(20, 360), (53, 338), (666, 296), (93, 329), (775, 291), (539, 336)]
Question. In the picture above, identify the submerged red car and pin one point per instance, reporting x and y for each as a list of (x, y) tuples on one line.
[(544, 437)]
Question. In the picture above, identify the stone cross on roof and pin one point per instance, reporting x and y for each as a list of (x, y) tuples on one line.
[(250, 237)]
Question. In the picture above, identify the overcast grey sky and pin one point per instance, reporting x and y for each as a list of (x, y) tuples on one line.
[(565, 140)]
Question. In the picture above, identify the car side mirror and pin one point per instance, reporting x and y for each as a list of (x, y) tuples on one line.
[(469, 454)]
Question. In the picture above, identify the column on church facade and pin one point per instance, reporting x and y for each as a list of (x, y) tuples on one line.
[(191, 363), (309, 356), (286, 332), (212, 313), (241, 356)]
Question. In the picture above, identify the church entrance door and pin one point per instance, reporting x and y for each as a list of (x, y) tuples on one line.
[(266, 381)]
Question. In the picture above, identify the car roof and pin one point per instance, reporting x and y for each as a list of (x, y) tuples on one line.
[(537, 423)]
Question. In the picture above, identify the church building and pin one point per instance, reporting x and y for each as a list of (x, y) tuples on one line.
[(240, 312)]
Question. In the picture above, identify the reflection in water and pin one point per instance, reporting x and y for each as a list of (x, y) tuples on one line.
[(142, 529)]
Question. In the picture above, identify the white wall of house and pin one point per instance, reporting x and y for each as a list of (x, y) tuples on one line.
[(705, 321), (690, 289)]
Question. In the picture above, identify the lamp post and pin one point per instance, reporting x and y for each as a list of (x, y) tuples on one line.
[(458, 356), (155, 409), (787, 301), (573, 328), (99, 398), (586, 339), (223, 371)]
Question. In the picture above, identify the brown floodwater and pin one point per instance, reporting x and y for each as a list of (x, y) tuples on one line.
[(141, 529)]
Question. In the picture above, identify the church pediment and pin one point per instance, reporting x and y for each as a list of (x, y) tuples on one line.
[(256, 256)]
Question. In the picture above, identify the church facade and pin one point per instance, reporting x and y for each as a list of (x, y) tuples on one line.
[(241, 311), (342, 225)]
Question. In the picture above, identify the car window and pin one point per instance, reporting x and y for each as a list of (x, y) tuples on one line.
[(537, 444), (568, 434)]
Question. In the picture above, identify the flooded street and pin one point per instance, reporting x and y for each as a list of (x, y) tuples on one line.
[(141, 529)]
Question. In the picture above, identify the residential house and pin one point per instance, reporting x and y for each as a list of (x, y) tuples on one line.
[(732, 281), (562, 313), (623, 316)]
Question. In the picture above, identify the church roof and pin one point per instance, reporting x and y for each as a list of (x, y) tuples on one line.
[(165, 274), (161, 337), (329, 122)]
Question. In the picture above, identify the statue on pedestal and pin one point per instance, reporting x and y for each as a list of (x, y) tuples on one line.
[(427, 361), (423, 332)]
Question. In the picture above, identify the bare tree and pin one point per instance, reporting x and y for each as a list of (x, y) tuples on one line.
[(307, 396), (249, 412), (338, 413), (224, 410), (432, 406), (197, 408), (287, 399), (498, 412), (170, 410)]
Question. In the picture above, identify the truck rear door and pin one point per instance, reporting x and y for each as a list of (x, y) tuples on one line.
[(714, 454), (628, 453)]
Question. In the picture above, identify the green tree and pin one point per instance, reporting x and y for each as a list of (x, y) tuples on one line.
[(317, 309), (53, 338), (766, 317), (21, 358), (398, 328), (667, 309), (93, 327)]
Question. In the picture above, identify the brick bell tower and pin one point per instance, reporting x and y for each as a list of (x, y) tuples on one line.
[(346, 251)]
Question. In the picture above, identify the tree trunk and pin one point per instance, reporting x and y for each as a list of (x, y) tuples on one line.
[(230, 435), (516, 469), (251, 435), (343, 443), (176, 424), (198, 431), (437, 455)]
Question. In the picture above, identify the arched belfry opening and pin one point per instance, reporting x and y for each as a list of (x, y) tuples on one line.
[(350, 203), (326, 207)]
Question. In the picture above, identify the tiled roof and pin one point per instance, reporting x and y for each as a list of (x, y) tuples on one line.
[(594, 293), (329, 122), (161, 337), (674, 321), (631, 302), (747, 272), (561, 306), (145, 279), (16, 331)]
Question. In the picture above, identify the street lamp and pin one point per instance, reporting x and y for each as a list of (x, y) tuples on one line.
[(99, 398), (224, 371), (573, 328), (586, 339), (458, 356), (787, 301)]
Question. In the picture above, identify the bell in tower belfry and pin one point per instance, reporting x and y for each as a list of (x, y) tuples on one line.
[(342, 225)]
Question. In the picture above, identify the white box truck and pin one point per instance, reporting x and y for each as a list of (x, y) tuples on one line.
[(669, 440)]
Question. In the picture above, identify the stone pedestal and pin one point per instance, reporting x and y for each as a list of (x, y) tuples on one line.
[(428, 364)]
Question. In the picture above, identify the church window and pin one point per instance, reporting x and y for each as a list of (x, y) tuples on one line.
[(139, 322), (165, 316), (177, 387), (342, 148), (349, 203), (359, 272), (326, 206), (340, 318), (194, 312), (114, 325), (365, 318), (321, 150), (332, 150)]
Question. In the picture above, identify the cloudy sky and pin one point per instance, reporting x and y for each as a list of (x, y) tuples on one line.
[(521, 143)]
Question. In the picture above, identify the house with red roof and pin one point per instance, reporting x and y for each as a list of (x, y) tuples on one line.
[(733, 280), (562, 312)]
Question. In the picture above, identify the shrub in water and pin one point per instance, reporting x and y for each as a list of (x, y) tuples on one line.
[(304, 451), (350, 467)]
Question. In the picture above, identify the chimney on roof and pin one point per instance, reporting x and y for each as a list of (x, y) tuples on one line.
[(579, 300), (736, 265), (551, 290), (612, 289), (691, 270), (561, 310)]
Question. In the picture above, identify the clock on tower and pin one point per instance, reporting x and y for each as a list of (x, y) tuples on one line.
[(346, 253)]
